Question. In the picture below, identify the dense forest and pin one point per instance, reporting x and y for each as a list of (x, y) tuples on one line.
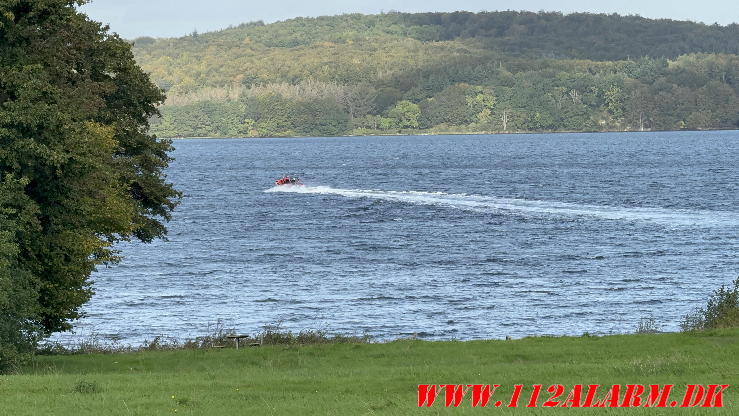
[(446, 72)]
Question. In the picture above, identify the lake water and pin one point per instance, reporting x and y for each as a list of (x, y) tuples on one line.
[(445, 237)]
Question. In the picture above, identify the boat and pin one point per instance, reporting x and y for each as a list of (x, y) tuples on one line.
[(288, 180)]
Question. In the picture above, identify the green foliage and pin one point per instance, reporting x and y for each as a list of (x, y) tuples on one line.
[(359, 48), (78, 170), (265, 115), (465, 71), (458, 105), (721, 311), (18, 287), (405, 115), (321, 118)]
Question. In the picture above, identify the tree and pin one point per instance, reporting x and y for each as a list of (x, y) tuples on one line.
[(406, 114), (322, 118), (614, 100), (639, 106), (358, 100), (481, 102), (455, 106), (75, 152), (370, 63), (18, 331), (274, 114)]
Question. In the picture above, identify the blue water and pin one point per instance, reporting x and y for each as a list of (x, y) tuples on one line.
[(445, 237)]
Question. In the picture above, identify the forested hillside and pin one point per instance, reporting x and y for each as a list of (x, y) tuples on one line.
[(446, 72)]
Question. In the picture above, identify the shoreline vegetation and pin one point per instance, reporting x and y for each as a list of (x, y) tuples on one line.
[(721, 311), (363, 378), (441, 73), (420, 134), (218, 336)]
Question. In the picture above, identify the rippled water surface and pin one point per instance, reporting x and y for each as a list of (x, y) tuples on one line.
[(441, 236)]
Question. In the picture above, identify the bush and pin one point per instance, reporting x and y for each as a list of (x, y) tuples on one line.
[(10, 358), (722, 310), (306, 337), (647, 325), (18, 339), (18, 331), (217, 336)]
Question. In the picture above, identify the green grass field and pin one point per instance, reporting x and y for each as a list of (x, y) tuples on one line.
[(348, 379)]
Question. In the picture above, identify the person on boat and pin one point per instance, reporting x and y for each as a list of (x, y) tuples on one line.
[(285, 180)]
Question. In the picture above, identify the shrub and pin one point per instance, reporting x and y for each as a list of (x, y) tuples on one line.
[(19, 333), (9, 358), (18, 286), (721, 311), (647, 325), (217, 336)]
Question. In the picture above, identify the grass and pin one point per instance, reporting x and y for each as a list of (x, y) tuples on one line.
[(348, 379)]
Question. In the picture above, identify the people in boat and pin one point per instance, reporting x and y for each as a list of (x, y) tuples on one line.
[(292, 180)]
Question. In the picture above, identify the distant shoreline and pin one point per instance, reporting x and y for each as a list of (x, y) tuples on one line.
[(453, 134)]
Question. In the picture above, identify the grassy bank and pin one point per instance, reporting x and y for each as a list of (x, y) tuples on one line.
[(344, 379)]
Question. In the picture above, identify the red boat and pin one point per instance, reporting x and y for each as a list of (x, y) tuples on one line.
[(288, 180)]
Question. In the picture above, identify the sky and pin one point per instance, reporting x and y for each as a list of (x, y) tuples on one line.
[(170, 18)]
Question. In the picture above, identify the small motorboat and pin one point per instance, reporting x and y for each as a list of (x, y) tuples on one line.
[(288, 180)]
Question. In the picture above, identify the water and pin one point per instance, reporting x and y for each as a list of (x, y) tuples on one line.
[(444, 237)]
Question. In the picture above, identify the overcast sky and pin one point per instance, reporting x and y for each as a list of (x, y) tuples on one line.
[(162, 18)]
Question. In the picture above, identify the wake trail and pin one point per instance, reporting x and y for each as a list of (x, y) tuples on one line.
[(481, 203)]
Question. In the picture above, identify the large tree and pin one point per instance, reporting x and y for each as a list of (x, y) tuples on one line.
[(78, 169)]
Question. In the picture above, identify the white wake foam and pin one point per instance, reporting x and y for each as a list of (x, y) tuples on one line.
[(482, 203)]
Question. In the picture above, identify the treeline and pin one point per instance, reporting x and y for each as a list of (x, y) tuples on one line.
[(691, 92), (446, 72)]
